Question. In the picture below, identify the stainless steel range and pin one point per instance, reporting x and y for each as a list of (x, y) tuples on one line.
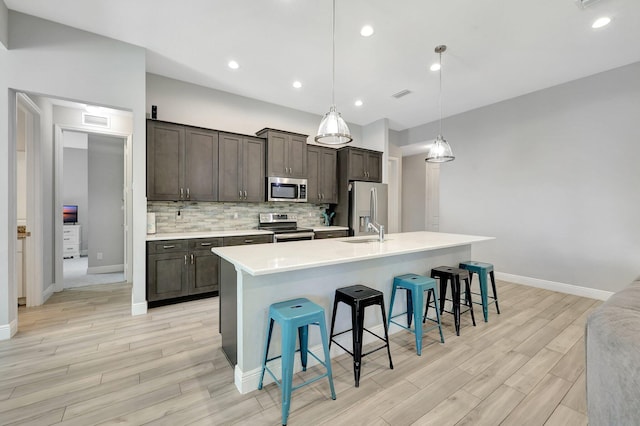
[(284, 227)]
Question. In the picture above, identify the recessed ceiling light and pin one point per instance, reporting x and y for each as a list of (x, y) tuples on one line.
[(358, 102), (601, 22), (366, 31), (435, 67), (234, 65), (297, 84)]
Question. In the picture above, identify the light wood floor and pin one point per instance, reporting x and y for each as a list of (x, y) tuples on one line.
[(81, 359)]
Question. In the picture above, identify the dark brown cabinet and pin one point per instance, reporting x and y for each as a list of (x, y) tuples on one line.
[(248, 239), (320, 235), (241, 168), (182, 162), (286, 153), (360, 164), (177, 268), (322, 181)]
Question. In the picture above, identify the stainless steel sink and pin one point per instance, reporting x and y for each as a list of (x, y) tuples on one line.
[(363, 241)]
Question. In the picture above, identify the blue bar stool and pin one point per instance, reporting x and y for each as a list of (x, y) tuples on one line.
[(292, 315), (482, 269), (416, 285)]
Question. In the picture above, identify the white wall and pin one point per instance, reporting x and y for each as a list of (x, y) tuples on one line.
[(4, 25), (554, 176), (106, 214), (187, 103), (104, 72)]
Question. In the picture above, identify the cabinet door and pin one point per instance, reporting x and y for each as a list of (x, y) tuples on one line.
[(203, 271), (166, 276), (230, 167), (296, 158), (357, 165), (329, 176), (277, 155), (165, 161), (374, 166), (201, 164), (253, 173), (313, 174)]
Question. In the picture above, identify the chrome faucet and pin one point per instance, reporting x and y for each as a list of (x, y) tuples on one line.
[(379, 229)]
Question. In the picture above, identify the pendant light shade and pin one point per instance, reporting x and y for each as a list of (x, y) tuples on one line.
[(440, 151), (333, 130)]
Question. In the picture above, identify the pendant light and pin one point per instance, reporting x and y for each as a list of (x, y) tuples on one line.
[(333, 130), (440, 151)]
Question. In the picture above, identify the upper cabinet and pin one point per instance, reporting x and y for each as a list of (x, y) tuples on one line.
[(322, 185), (241, 172), (182, 162), (286, 153), (360, 164)]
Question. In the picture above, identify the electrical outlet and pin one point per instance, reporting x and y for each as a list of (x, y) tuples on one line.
[(235, 215), (99, 256)]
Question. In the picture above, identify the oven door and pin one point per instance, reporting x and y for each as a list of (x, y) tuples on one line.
[(292, 236)]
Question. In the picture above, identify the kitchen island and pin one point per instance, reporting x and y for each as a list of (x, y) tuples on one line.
[(254, 277)]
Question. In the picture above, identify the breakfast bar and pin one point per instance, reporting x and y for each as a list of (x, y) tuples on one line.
[(253, 277)]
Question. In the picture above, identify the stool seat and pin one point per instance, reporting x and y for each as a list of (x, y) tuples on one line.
[(454, 275), (483, 269), (295, 316), (416, 285), (358, 297)]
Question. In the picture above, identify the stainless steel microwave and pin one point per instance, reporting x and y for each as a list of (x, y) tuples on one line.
[(286, 189)]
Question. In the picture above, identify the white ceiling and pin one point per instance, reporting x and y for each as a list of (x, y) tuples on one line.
[(497, 49)]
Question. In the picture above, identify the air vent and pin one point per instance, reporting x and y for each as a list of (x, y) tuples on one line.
[(585, 3), (401, 93), (95, 120)]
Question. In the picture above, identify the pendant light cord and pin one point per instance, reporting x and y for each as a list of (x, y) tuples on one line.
[(333, 56), (440, 93)]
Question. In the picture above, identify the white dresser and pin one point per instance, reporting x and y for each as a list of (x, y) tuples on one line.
[(71, 238)]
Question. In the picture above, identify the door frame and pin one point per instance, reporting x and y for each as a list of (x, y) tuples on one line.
[(395, 194), (58, 198), (34, 245)]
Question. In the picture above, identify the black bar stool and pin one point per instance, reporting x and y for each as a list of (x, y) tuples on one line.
[(454, 275), (358, 297)]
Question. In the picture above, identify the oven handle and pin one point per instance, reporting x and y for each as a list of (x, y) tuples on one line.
[(293, 235)]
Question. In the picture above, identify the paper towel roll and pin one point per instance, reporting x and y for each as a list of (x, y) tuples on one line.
[(151, 223)]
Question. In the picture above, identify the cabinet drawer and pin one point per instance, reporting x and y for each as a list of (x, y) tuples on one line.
[(248, 239), (71, 248), (319, 235), (204, 243), (167, 246)]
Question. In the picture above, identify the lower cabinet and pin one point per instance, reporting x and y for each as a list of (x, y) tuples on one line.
[(319, 235), (181, 268), (177, 268)]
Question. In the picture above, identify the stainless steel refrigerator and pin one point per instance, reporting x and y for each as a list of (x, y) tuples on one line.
[(367, 203)]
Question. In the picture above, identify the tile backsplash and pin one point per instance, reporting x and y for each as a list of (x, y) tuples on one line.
[(209, 216)]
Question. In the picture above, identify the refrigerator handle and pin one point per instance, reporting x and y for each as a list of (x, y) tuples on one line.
[(373, 205)]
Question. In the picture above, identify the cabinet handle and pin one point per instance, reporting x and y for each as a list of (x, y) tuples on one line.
[(185, 259), (181, 193), (168, 247), (248, 241), (188, 194), (205, 244), (245, 194), (192, 258), (240, 194)]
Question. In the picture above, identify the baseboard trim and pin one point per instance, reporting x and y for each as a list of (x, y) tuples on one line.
[(576, 290), (46, 294), (108, 269), (138, 308), (8, 330)]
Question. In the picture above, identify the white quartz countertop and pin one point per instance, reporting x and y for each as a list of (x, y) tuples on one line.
[(330, 228), (205, 234), (262, 259)]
